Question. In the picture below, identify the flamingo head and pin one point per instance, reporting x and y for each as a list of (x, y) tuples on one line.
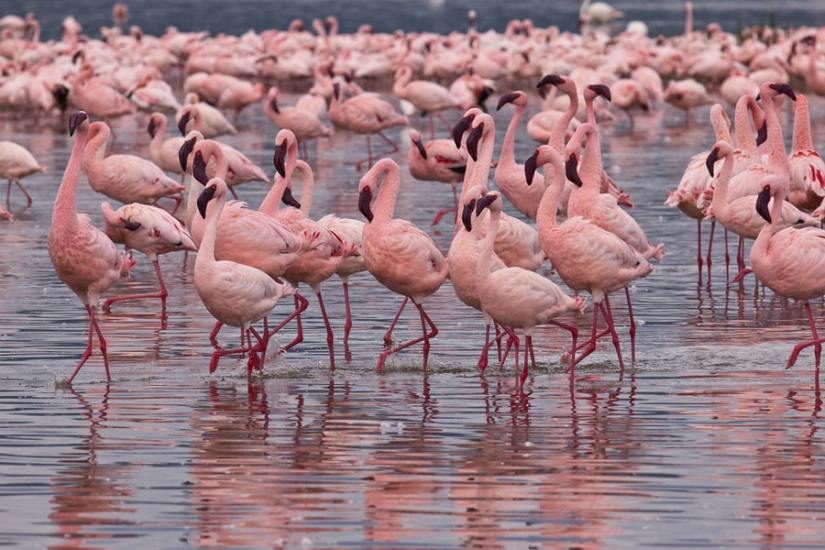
[(415, 137), (464, 124), (517, 98), (710, 162), (762, 134), (530, 167), (76, 119), (184, 120), (184, 152), (199, 168), (206, 195), (549, 80), (364, 199), (473, 139), (288, 199), (279, 158), (762, 200), (467, 214), (602, 90), (485, 202), (571, 169), (152, 128)]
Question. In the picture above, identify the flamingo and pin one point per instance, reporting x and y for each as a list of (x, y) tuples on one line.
[(90, 94), (514, 296), (303, 123), (16, 162), (586, 257), (789, 261), (399, 255), (198, 115), (125, 178), (428, 97), (806, 166), (151, 230), (437, 160), (365, 114), (687, 95), (83, 256), (164, 152), (234, 293)]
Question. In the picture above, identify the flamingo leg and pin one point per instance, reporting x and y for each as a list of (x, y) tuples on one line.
[(388, 334), (512, 340), (234, 194), (632, 326), (608, 317), (574, 332), (590, 344), (347, 323), (710, 246), (304, 303), (740, 254), (8, 196), (215, 330), (368, 160), (528, 346), (425, 320), (162, 294), (88, 352), (300, 336), (444, 120), (816, 342), (440, 213), (23, 189), (393, 146), (482, 360), (727, 256), (330, 336)]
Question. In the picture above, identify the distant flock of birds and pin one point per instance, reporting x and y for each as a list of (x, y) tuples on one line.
[(248, 260)]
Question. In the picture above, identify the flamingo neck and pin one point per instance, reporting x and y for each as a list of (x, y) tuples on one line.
[(720, 190), (206, 249), (481, 169), (745, 138), (560, 130), (96, 144), (507, 155), (546, 215), (387, 195), (720, 125), (801, 126), (271, 203), (760, 246), (591, 169), (485, 259), (65, 204), (307, 188)]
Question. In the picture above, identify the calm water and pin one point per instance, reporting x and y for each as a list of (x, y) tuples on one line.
[(705, 429)]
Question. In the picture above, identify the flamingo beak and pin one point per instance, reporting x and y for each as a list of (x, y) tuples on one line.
[(184, 152), (460, 127), (364, 199), (530, 167), (75, 120), (199, 169), (467, 215), (204, 198), (421, 149), (711, 160), (784, 89), (279, 159), (762, 200), (472, 141), (553, 79), (572, 171), (602, 90), (505, 99), (184, 120), (151, 128), (289, 200), (484, 202), (274, 105), (762, 134)]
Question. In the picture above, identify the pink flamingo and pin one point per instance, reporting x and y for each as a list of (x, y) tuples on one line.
[(83, 256), (164, 152), (789, 261), (90, 94), (806, 166), (517, 297), (198, 115), (235, 294), (365, 114), (687, 95), (348, 231), (5, 214), (239, 95), (586, 257), (399, 255), (428, 97), (151, 230), (437, 160), (125, 178), (304, 124), (16, 162)]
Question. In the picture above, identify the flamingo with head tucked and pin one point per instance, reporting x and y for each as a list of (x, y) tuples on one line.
[(437, 160), (16, 162)]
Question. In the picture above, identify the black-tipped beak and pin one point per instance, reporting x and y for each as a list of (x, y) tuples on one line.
[(784, 89), (602, 90), (184, 120), (199, 169), (336, 90), (184, 152), (274, 104), (364, 199), (421, 149), (204, 198), (472, 141), (762, 134), (762, 200), (460, 127), (484, 202), (75, 120), (571, 169), (505, 99), (549, 79), (530, 167), (289, 200), (151, 128), (467, 215), (713, 156), (279, 159)]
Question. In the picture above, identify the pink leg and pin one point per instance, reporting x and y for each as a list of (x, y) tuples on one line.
[(8, 199), (447, 124), (393, 146), (388, 334), (347, 323), (234, 194), (528, 348), (368, 160), (590, 345), (632, 326), (162, 294), (574, 332), (93, 326), (727, 256), (440, 213), (28, 197), (710, 246), (816, 342), (512, 341), (330, 336), (740, 254), (300, 336), (608, 316), (215, 330), (482, 360), (301, 304), (432, 127), (425, 320)]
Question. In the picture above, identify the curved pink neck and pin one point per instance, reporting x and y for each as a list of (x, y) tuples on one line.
[(560, 130), (507, 155), (802, 125), (65, 204)]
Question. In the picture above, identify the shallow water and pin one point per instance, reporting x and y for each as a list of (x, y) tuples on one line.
[(706, 428)]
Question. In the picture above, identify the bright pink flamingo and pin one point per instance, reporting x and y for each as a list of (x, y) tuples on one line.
[(164, 151), (399, 255), (125, 178), (517, 297), (586, 257), (437, 160), (83, 256), (806, 166), (365, 114), (304, 124), (789, 261), (151, 230), (428, 97), (16, 162), (235, 294)]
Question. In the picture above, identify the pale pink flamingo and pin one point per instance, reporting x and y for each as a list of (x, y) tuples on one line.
[(234, 293), (151, 230), (517, 243), (125, 178), (303, 123), (629, 95), (16, 162), (437, 160), (426, 96), (327, 253), (90, 94), (555, 127), (585, 256), (806, 166), (365, 114), (603, 210), (240, 95), (83, 256), (164, 151), (198, 115), (687, 94), (814, 79), (516, 297), (789, 261), (399, 255)]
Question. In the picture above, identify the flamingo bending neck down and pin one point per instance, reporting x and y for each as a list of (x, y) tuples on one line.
[(16, 162), (437, 160)]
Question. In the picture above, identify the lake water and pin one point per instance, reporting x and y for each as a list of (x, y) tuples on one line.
[(705, 441)]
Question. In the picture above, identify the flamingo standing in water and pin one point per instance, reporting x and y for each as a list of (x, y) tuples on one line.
[(437, 160), (806, 166), (164, 151), (234, 293), (517, 297), (428, 97), (303, 123), (365, 114), (16, 162), (83, 256), (789, 261), (585, 256), (151, 230), (399, 255)]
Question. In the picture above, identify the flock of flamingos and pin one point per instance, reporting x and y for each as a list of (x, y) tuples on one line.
[(576, 218)]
